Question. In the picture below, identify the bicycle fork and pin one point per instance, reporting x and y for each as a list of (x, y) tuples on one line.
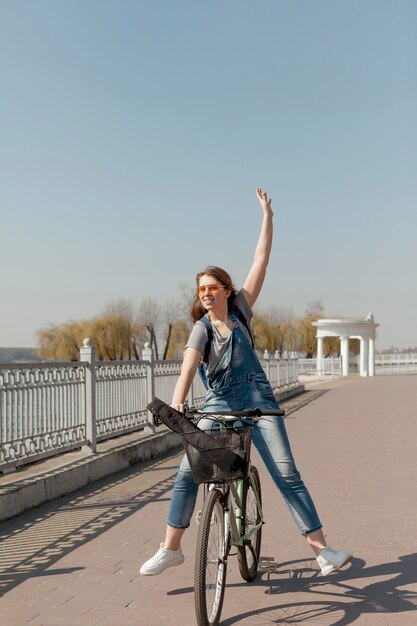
[(233, 513), (239, 536)]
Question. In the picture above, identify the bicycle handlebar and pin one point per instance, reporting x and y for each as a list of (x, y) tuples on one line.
[(254, 412), (165, 413)]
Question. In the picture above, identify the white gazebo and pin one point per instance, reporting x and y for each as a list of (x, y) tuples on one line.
[(349, 328)]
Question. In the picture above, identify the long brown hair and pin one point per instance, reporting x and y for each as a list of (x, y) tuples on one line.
[(197, 310)]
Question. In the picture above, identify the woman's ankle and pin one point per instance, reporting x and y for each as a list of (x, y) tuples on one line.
[(173, 538)]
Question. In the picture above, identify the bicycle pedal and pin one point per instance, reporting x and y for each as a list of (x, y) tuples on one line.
[(267, 564)]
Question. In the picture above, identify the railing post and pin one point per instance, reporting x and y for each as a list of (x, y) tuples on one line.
[(278, 369), (88, 356), (268, 371), (147, 356)]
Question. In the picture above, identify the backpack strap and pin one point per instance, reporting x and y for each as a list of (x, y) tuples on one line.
[(209, 330)]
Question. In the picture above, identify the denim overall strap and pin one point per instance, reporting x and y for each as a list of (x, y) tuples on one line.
[(221, 370), (243, 383), (203, 367)]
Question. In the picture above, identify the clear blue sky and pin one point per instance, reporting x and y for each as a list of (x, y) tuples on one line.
[(134, 133)]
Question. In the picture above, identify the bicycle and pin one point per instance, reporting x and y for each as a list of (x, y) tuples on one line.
[(232, 510)]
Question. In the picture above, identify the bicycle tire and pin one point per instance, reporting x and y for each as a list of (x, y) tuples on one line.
[(210, 562), (249, 553)]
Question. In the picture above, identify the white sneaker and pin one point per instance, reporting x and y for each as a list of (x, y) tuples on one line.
[(160, 561), (330, 560)]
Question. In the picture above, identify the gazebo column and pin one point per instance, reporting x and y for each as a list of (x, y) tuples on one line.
[(371, 357), (364, 356), (361, 357), (319, 364), (344, 351)]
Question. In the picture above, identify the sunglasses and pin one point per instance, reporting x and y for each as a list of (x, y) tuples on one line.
[(201, 290)]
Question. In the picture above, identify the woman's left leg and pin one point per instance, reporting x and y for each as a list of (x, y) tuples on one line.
[(271, 439)]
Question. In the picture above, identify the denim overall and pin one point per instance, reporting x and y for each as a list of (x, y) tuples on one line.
[(239, 383)]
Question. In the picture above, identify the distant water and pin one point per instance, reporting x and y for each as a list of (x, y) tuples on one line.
[(19, 355)]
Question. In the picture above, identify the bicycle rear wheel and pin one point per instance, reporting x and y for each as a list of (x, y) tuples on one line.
[(210, 563), (248, 554)]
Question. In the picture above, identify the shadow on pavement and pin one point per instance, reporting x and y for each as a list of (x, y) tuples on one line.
[(32, 542), (335, 601)]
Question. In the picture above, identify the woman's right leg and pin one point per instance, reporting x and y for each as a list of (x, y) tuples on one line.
[(181, 508), (183, 499)]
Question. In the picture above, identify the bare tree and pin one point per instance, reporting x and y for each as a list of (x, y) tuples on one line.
[(126, 327), (307, 334), (150, 317), (267, 335), (61, 342), (186, 298), (290, 337), (279, 315), (179, 335), (269, 327), (315, 307), (170, 315), (116, 335), (47, 339)]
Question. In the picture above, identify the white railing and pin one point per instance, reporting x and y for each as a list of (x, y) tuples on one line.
[(330, 367), (396, 364), (41, 410), (121, 397), (50, 408), (281, 373)]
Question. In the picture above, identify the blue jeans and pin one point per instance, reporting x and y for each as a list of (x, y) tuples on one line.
[(271, 440)]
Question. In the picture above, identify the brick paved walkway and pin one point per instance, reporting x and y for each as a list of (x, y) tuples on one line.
[(75, 561)]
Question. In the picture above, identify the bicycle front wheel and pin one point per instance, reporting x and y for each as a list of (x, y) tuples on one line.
[(210, 563), (248, 554)]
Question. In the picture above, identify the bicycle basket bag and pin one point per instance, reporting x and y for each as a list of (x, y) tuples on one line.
[(222, 455), (224, 459)]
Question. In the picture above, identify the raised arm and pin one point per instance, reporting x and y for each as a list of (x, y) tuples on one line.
[(254, 280)]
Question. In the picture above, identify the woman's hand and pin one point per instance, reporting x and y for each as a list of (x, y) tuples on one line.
[(263, 199)]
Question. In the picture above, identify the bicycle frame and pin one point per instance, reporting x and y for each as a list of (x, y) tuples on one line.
[(233, 494)]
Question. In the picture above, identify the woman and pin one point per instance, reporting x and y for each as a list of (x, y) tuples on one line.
[(235, 381)]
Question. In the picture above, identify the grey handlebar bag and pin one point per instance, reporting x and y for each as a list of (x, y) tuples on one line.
[(212, 450)]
